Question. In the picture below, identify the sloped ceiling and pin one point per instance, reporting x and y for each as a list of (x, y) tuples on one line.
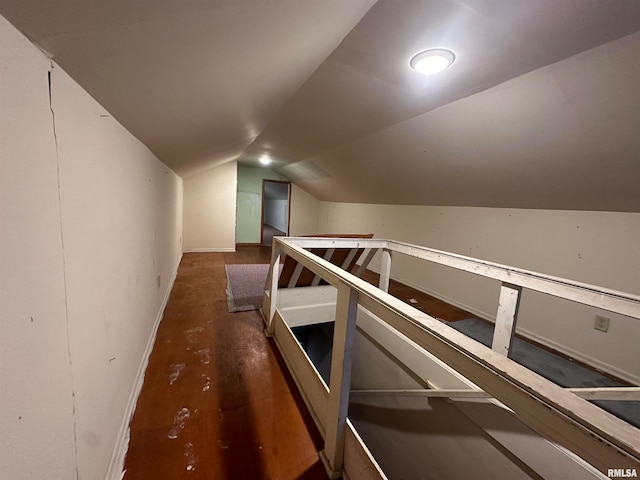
[(540, 110)]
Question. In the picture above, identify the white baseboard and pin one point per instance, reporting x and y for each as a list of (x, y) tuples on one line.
[(116, 465), (210, 250), (593, 362)]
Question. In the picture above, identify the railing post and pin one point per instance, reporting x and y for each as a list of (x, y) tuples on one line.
[(271, 289), (506, 318), (385, 270), (340, 382)]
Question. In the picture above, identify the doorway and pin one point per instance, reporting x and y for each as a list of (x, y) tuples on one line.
[(276, 208)]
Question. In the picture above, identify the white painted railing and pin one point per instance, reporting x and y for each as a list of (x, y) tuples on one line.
[(562, 415)]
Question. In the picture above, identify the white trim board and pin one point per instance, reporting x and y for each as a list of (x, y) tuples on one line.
[(595, 363), (210, 250), (116, 465)]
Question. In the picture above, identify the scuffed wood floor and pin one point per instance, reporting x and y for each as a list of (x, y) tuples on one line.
[(217, 400)]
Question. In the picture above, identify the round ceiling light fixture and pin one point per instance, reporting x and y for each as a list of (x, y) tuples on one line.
[(432, 61), (265, 159)]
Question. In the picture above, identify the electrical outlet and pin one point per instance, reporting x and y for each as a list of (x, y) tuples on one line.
[(601, 323), (159, 281)]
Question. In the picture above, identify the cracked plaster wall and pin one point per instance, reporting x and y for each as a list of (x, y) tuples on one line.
[(90, 240)]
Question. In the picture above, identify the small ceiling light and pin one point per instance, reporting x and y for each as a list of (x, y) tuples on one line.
[(432, 61), (265, 159)]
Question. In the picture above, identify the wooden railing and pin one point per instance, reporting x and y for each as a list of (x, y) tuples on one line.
[(561, 415)]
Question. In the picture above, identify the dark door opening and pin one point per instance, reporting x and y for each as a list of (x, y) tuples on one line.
[(276, 208)]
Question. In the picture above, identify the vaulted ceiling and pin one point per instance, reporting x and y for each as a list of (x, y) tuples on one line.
[(540, 110)]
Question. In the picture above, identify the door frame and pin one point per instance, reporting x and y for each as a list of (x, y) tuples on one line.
[(288, 183)]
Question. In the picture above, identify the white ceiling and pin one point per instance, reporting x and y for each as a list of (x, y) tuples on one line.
[(540, 110)]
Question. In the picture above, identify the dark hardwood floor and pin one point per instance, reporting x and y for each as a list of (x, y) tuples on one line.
[(217, 400)]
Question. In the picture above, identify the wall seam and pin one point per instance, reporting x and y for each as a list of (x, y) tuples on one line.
[(64, 271)]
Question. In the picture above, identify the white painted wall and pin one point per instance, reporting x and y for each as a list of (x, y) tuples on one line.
[(210, 222), (305, 211), (37, 440), (90, 241), (276, 213), (210, 210), (593, 247)]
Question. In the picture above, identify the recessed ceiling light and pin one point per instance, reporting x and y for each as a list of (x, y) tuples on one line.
[(432, 61), (265, 159)]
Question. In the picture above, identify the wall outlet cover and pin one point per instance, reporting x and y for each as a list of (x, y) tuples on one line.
[(601, 323)]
